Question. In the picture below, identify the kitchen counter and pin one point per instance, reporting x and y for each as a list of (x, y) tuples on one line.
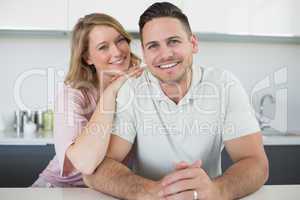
[(288, 139), (272, 192), (52, 194), (44, 138), (10, 137), (276, 192)]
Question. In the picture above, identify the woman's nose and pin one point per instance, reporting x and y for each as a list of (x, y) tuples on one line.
[(115, 51)]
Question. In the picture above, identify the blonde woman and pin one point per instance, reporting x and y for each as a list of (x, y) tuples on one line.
[(101, 61)]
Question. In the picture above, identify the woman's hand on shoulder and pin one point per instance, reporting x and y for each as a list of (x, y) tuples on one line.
[(118, 80)]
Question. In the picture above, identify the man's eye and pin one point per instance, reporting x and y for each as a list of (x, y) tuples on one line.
[(174, 41), (152, 46)]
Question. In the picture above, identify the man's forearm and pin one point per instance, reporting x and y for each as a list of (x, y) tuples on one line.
[(242, 178), (115, 179)]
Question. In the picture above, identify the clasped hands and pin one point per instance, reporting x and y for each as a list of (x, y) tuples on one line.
[(187, 182)]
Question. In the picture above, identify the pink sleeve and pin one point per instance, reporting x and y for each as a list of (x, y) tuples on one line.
[(69, 119)]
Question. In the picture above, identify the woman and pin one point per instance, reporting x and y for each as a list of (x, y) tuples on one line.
[(101, 61)]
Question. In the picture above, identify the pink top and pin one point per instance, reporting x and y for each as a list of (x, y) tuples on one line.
[(72, 111)]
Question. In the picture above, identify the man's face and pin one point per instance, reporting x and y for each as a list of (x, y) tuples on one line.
[(168, 49)]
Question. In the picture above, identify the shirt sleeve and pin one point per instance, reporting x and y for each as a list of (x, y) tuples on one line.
[(124, 124), (239, 119), (69, 119)]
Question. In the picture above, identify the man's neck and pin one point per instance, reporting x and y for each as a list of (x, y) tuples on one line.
[(177, 90)]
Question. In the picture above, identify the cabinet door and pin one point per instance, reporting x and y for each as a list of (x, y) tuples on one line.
[(283, 164), (274, 17), (33, 15), (216, 16), (20, 165), (126, 12)]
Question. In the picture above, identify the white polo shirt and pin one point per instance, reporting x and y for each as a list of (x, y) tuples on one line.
[(216, 108)]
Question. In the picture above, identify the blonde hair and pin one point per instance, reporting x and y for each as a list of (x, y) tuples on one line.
[(79, 71)]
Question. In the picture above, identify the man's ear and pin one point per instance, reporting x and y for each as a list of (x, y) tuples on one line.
[(195, 43)]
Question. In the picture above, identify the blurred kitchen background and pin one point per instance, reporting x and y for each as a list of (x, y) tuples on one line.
[(257, 40)]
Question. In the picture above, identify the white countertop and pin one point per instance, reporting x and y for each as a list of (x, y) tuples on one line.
[(274, 137), (52, 194), (11, 138), (289, 139), (278, 192)]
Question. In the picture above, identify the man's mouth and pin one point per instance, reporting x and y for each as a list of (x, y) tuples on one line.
[(167, 66)]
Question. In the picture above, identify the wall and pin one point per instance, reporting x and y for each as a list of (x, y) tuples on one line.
[(250, 62)]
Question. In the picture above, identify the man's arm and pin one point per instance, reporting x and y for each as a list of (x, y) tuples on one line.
[(250, 169), (114, 178)]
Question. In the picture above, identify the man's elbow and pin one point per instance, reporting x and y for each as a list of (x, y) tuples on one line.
[(265, 169)]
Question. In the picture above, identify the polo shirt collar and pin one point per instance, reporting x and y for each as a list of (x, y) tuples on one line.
[(158, 94)]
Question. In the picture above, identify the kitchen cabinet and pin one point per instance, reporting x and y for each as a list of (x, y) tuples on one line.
[(284, 164), (216, 16), (274, 17), (20, 165), (126, 12), (33, 15), (253, 17), (237, 17)]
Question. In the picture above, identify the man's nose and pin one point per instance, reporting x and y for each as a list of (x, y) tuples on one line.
[(166, 52)]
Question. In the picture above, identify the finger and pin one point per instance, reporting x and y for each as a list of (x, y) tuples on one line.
[(130, 73), (134, 71), (137, 72), (119, 79), (197, 163), (181, 165), (181, 174), (182, 196), (114, 78), (179, 186), (140, 72), (184, 165)]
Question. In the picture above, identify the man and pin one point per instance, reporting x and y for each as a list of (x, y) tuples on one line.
[(181, 116)]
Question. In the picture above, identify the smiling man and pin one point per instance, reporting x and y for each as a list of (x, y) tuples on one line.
[(181, 117)]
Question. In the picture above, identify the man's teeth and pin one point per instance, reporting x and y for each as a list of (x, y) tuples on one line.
[(167, 66)]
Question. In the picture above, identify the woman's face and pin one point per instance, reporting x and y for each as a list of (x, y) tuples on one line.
[(108, 51)]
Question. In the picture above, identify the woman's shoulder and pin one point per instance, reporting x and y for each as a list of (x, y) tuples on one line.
[(80, 95), (89, 90)]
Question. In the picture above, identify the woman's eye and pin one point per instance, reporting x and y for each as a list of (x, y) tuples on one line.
[(122, 40), (102, 47)]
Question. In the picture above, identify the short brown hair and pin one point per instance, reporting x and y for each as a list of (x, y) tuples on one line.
[(79, 70), (163, 9)]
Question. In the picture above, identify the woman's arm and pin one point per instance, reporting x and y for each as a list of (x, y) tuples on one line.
[(89, 148)]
